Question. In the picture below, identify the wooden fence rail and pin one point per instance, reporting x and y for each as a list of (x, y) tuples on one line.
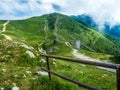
[(107, 65)]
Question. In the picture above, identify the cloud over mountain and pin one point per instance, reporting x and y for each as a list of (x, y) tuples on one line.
[(101, 10)]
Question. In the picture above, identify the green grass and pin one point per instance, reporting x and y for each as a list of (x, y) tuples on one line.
[(101, 56), (87, 74), (68, 29), (15, 61), (55, 84)]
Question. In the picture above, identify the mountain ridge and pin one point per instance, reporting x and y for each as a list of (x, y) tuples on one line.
[(54, 27)]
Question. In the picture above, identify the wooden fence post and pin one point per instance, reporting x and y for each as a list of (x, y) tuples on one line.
[(108, 65), (118, 78), (48, 67)]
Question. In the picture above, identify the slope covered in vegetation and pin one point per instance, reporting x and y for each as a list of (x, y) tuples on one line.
[(20, 54), (56, 28)]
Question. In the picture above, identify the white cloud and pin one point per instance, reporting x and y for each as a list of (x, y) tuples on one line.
[(101, 10), (18, 9)]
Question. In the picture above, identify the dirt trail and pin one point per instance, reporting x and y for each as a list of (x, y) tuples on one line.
[(84, 57), (4, 26), (7, 37), (4, 29)]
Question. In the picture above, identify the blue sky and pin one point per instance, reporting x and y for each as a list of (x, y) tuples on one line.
[(101, 10)]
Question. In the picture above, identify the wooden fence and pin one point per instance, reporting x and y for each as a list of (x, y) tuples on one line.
[(107, 65)]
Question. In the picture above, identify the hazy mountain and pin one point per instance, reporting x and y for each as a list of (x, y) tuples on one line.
[(87, 19), (114, 30)]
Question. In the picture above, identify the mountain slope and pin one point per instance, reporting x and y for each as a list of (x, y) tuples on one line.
[(86, 19), (55, 29), (107, 29), (114, 30), (57, 34)]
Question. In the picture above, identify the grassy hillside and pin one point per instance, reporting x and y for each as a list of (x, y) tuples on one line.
[(16, 66), (59, 28), (48, 34)]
